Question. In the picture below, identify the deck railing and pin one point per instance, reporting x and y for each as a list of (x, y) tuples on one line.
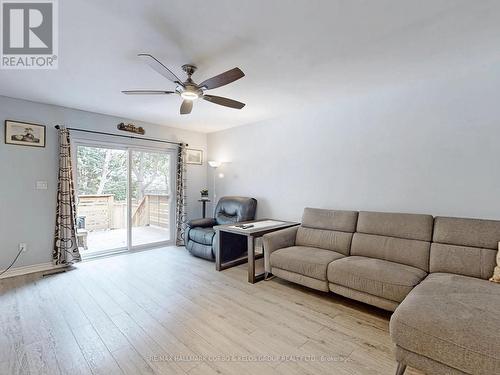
[(102, 212)]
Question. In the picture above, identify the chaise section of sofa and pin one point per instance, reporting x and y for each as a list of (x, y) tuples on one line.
[(389, 257), (302, 254), (449, 323), (432, 272)]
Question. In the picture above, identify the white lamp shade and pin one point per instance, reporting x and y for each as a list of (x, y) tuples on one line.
[(214, 163)]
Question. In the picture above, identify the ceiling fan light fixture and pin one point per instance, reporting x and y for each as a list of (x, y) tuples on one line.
[(189, 95), (189, 90)]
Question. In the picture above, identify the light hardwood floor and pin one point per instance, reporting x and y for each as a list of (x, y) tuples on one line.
[(129, 314)]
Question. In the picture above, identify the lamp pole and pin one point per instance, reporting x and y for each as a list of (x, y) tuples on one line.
[(214, 164), (215, 195)]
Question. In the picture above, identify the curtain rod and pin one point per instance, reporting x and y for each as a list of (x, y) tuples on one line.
[(122, 135)]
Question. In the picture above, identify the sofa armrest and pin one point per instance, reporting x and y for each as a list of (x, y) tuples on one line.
[(277, 240), (204, 223)]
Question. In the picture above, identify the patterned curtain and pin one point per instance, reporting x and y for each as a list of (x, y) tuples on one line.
[(181, 199), (65, 242)]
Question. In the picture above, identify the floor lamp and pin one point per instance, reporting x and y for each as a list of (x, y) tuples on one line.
[(215, 164)]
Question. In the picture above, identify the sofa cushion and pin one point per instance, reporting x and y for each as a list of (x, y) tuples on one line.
[(308, 261), (400, 238), (452, 319), (413, 253), (202, 235), (343, 221), (408, 226), (377, 277), (327, 229), (462, 260), (467, 232), (324, 239), (464, 246)]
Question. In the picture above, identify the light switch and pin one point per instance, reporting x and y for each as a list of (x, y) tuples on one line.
[(41, 185)]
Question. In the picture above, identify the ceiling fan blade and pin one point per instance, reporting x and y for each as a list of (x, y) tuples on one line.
[(147, 92), (186, 107), (160, 68), (224, 101), (223, 79)]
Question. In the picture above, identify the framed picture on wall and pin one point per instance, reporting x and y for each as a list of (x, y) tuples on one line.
[(24, 134), (194, 156)]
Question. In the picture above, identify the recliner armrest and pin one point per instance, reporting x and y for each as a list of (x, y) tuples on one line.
[(277, 240), (204, 223)]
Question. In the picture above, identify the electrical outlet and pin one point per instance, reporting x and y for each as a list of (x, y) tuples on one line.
[(41, 185), (23, 247)]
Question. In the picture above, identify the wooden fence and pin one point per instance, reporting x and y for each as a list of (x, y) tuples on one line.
[(98, 211), (158, 210), (102, 212)]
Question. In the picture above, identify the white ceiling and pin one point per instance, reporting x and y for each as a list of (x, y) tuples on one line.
[(295, 53)]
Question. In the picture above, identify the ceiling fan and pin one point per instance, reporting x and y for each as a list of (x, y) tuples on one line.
[(189, 90)]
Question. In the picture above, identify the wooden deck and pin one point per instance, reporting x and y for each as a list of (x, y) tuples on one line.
[(165, 312), (115, 238)]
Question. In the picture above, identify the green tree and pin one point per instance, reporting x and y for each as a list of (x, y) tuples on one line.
[(104, 171), (150, 174)]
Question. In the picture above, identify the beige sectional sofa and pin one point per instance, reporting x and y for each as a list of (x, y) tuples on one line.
[(432, 272)]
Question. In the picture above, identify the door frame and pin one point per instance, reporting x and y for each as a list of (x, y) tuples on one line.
[(129, 147)]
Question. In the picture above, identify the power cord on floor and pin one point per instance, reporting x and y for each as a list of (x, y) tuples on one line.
[(14, 261)]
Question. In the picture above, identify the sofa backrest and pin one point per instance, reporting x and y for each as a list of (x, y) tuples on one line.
[(465, 246), (327, 229), (396, 237)]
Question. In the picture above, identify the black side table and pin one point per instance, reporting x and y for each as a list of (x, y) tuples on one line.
[(203, 207)]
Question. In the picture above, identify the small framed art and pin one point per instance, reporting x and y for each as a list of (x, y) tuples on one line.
[(194, 156), (24, 134)]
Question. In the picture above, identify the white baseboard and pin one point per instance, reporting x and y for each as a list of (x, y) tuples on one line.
[(41, 267)]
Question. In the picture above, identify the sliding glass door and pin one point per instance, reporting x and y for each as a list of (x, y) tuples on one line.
[(125, 198), (102, 198), (150, 197)]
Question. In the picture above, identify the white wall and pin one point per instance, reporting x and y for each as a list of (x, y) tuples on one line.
[(429, 148), (28, 215)]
